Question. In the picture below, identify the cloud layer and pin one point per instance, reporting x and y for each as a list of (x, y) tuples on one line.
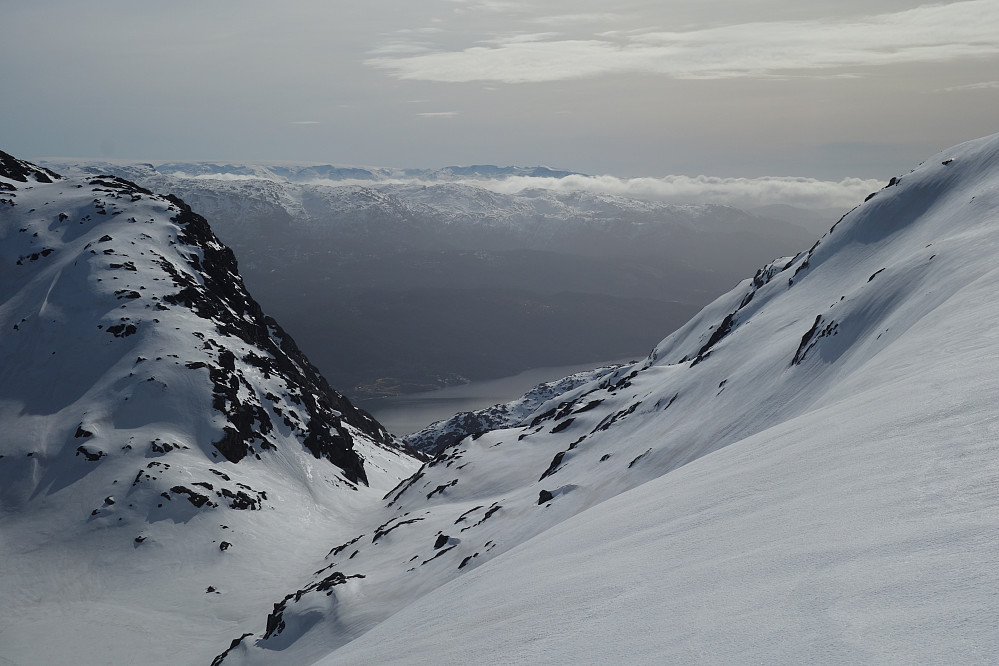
[(929, 33), (740, 192), (746, 193)]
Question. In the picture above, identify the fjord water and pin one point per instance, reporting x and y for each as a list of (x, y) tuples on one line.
[(405, 414)]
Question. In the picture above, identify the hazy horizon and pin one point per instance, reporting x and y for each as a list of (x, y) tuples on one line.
[(634, 89)]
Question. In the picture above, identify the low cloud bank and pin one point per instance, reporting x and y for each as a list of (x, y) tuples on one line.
[(739, 192), (746, 193)]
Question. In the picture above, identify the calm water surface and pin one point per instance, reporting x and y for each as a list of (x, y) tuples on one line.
[(405, 414)]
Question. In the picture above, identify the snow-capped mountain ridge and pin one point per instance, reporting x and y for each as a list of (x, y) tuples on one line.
[(339, 200), (154, 420), (304, 173), (862, 313)]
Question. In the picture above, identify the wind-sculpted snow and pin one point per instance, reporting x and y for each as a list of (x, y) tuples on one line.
[(152, 418), (811, 375)]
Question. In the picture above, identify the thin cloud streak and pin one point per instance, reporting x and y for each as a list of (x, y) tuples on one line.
[(984, 85), (930, 33)]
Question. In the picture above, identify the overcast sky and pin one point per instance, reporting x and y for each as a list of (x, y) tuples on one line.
[(726, 88)]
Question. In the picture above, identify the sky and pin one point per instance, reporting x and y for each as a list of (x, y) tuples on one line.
[(723, 88)]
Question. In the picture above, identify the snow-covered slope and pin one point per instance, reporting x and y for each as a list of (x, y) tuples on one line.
[(162, 441), (806, 471)]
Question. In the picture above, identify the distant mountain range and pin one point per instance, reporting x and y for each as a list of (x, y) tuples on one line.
[(449, 281)]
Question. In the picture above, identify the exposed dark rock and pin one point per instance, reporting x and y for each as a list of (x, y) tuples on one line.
[(404, 485), (813, 335), (588, 406), (562, 426), (465, 515), (724, 328), (217, 661), (493, 509), (197, 499), (92, 456), (439, 553), (553, 467), (241, 500), (637, 458), (441, 488), (336, 551), (122, 330), (545, 496), (23, 172), (608, 421), (385, 529), (799, 355), (334, 579)]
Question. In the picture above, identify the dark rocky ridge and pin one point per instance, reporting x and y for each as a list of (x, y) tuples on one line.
[(224, 300), (23, 172)]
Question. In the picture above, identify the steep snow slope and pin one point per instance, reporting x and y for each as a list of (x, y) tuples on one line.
[(806, 471), (163, 441)]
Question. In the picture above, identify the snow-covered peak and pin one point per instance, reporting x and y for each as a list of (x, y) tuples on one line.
[(154, 420)]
